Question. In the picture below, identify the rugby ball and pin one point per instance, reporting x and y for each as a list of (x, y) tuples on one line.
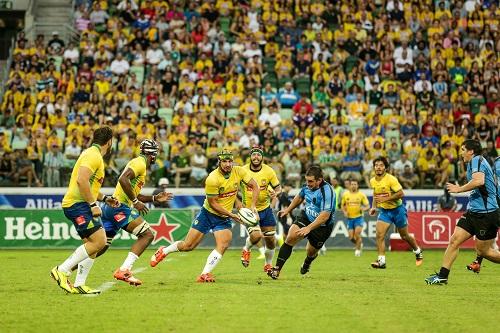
[(247, 217)]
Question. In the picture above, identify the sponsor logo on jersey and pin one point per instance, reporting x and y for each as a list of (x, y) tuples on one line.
[(80, 220), (119, 217)]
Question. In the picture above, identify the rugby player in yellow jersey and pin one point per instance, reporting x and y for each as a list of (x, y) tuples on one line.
[(80, 206), (127, 215), (387, 199), (354, 203), (265, 177), (221, 187)]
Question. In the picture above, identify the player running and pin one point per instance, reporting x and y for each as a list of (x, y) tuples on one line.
[(315, 222), (354, 203), (481, 218), (387, 198), (221, 187), (80, 206), (265, 177), (475, 266), (127, 215)]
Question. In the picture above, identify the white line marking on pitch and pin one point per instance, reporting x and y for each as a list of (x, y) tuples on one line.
[(107, 285), (103, 287)]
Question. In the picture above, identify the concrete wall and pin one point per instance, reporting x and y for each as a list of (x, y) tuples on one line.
[(20, 4)]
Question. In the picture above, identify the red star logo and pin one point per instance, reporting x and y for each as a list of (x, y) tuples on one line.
[(164, 230)]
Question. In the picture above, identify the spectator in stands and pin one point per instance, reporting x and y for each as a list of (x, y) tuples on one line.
[(24, 168), (162, 187), (351, 166), (293, 169), (248, 139), (446, 202), (198, 163), (408, 178), (53, 162), (7, 167), (72, 152), (56, 43), (287, 97), (180, 166)]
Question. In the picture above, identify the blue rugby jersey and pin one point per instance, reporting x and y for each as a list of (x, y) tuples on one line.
[(483, 198), (319, 200)]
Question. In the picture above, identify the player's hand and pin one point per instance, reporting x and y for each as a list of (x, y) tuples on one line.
[(141, 207), (236, 218), (282, 213), (453, 188), (238, 205), (272, 195), (96, 211), (113, 202), (163, 196), (303, 232), (372, 211), (256, 213)]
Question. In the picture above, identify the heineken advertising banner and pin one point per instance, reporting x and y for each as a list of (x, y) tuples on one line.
[(46, 228), (49, 228)]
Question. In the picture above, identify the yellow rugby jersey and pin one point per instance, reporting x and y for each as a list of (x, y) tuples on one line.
[(385, 187), (138, 165), (224, 188), (353, 202), (90, 158), (265, 177)]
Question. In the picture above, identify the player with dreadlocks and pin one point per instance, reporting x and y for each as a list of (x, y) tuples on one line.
[(129, 215)]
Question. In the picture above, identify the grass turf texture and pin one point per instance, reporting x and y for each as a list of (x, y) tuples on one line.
[(341, 293)]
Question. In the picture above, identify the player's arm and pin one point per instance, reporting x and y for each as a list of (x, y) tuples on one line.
[(323, 217), (365, 204), (126, 185), (212, 200), (252, 184), (327, 209), (393, 197), (83, 183), (343, 205), (476, 181), (297, 200)]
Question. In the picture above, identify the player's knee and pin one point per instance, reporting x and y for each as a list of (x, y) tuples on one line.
[(103, 250), (147, 236)]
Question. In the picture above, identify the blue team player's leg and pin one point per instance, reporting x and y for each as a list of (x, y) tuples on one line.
[(203, 223)]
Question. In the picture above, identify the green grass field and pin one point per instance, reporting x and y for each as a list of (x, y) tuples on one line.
[(341, 293)]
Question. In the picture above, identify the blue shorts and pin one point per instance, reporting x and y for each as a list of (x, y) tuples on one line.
[(205, 222), (397, 215), (267, 218), (355, 222), (81, 216), (118, 218)]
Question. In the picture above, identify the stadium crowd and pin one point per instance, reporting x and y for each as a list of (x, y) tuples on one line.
[(337, 83)]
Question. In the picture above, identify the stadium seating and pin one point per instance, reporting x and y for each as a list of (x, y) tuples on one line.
[(169, 52)]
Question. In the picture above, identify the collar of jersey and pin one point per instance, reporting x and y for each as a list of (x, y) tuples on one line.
[(144, 157), (96, 146), (250, 167)]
